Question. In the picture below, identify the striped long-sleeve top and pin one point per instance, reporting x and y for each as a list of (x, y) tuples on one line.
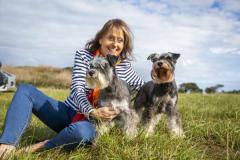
[(80, 91)]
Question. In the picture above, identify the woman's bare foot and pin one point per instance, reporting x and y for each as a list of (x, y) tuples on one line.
[(6, 150), (35, 147)]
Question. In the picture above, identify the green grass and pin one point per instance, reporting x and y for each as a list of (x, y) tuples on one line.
[(211, 124)]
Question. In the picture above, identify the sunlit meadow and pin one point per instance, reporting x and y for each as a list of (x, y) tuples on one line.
[(211, 124)]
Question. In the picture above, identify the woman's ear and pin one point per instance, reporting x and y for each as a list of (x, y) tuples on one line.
[(100, 41)]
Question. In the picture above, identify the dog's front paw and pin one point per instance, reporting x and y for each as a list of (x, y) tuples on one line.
[(149, 133), (131, 133), (178, 133)]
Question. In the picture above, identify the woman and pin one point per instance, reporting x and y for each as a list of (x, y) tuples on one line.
[(70, 119)]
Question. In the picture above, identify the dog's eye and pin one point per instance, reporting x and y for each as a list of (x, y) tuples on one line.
[(154, 59), (169, 58), (162, 57)]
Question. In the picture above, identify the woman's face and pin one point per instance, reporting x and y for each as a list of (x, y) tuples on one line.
[(112, 42)]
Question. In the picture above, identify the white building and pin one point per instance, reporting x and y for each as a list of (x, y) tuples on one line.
[(7, 80)]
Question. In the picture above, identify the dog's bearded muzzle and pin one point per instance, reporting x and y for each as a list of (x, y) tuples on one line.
[(92, 78), (162, 72), (96, 79)]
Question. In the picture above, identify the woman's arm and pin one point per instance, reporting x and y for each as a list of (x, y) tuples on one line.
[(78, 86), (126, 73)]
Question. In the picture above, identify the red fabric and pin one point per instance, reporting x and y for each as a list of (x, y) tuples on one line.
[(93, 99), (78, 117)]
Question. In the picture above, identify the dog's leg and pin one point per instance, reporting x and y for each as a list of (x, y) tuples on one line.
[(152, 124), (140, 101), (131, 120), (175, 124), (104, 127)]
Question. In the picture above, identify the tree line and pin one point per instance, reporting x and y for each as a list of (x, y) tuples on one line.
[(192, 87)]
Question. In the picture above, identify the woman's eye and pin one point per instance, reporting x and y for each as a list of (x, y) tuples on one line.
[(120, 40), (111, 38)]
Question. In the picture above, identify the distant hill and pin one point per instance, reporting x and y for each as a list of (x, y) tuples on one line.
[(41, 76)]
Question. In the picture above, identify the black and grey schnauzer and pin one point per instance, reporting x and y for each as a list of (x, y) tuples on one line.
[(160, 95), (114, 93)]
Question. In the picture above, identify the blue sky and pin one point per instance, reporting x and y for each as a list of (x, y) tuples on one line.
[(206, 33)]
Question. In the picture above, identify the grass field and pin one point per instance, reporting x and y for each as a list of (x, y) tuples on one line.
[(211, 124)]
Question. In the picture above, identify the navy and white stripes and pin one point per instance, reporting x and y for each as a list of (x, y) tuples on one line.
[(79, 90)]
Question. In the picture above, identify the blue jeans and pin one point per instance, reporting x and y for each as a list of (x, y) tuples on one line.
[(55, 114)]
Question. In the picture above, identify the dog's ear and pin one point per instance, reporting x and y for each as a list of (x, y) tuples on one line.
[(103, 64), (153, 57), (112, 59), (175, 56)]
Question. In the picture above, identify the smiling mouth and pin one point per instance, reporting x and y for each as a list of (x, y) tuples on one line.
[(112, 51)]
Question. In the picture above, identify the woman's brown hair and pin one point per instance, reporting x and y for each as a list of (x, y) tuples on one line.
[(126, 53)]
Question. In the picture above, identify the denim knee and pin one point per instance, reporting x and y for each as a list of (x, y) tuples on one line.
[(79, 133), (83, 132), (24, 88)]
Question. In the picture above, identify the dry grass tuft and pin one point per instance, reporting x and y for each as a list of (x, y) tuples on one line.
[(41, 76)]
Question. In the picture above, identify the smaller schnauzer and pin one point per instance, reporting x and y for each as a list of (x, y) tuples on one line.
[(114, 93), (160, 95)]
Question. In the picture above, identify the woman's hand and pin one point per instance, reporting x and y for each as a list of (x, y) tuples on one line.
[(104, 113)]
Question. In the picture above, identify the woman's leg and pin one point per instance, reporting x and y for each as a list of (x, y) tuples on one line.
[(27, 100), (81, 132), (53, 113)]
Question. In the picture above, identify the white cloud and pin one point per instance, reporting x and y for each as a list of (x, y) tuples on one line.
[(220, 50), (50, 31)]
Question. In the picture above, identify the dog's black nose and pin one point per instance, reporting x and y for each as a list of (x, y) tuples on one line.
[(91, 73), (159, 64)]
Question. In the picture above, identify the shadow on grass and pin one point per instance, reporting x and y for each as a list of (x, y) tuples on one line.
[(35, 134)]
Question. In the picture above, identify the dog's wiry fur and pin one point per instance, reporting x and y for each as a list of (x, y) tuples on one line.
[(113, 93), (160, 95)]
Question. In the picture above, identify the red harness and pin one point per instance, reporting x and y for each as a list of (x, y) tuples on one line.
[(93, 99)]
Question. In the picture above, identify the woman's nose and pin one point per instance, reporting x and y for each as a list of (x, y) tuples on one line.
[(114, 43)]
